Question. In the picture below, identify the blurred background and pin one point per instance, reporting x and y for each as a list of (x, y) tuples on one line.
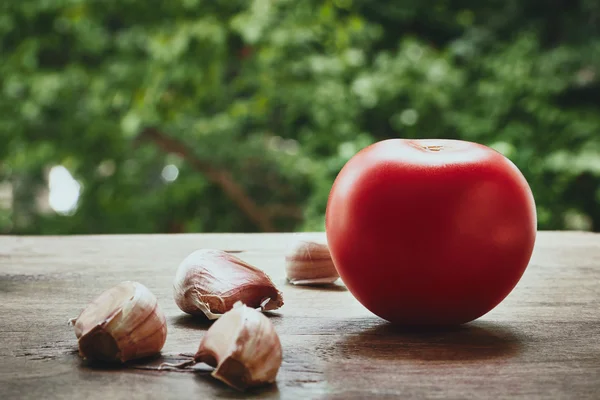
[(124, 116)]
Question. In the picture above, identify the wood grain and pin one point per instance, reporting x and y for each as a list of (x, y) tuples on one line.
[(543, 341)]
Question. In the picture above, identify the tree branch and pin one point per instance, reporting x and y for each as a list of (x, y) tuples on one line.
[(282, 210), (223, 178)]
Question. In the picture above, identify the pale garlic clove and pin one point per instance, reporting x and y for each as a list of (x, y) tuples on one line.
[(310, 263), (243, 347), (209, 282), (124, 323)]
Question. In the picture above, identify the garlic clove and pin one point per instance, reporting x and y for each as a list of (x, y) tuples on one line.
[(243, 347), (122, 324), (210, 282), (310, 263)]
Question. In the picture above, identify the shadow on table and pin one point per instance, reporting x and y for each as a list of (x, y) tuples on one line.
[(470, 342), (199, 322), (151, 362), (191, 321), (267, 391), (201, 374)]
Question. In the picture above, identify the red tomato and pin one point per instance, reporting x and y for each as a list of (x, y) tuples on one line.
[(430, 232)]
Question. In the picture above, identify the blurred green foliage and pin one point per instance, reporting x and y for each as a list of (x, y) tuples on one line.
[(259, 103)]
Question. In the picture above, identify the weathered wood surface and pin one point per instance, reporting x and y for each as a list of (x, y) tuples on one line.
[(543, 341)]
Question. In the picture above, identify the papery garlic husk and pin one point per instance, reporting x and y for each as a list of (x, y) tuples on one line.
[(244, 348), (310, 263), (122, 324), (211, 281)]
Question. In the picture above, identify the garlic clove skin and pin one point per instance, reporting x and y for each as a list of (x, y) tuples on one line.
[(243, 347), (310, 263), (209, 282), (122, 324)]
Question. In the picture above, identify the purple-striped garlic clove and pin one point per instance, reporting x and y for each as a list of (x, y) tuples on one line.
[(310, 263), (209, 282), (243, 347), (124, 323)]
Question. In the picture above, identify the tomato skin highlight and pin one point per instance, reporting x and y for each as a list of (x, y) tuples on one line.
[(430, 232)]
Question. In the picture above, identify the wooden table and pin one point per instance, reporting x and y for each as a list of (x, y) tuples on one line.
[(543, 341)]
